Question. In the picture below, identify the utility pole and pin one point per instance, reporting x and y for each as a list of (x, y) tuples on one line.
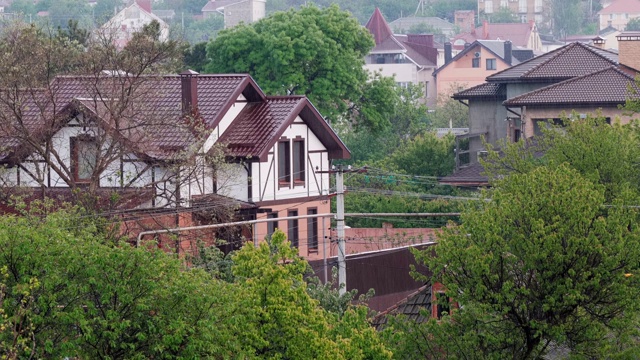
[(342, 263)]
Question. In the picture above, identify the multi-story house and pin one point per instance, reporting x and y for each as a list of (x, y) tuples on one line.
[(144, 146), (618, 13), (410, 58), (236, 11), (130, 20), (527, 10), (515, 103), (472, 65), (523, 35)]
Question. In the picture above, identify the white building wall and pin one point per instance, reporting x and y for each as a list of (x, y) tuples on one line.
[(265, 174), (232, 181)]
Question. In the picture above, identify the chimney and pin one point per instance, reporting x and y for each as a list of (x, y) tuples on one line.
[(485, 30), (145, 5), (508, 48), (447, 53), (598, 42), (629, 49), (189, 82)]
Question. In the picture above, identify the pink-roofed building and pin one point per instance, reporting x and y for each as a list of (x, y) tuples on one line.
[(618, 14), (524, 35), (410, 58)]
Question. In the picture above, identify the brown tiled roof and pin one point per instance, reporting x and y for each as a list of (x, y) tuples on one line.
[(378, 27), (608, 86), (424, 54), (414, 308), (486, 90), (259, 125), (575, 59), (471, 175), (154, 126)]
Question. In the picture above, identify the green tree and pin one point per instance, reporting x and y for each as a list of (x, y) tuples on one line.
[(25, 7), (424, 155), (289, 323), (542, 264), (74, 33), (603, 154), (446, 9), (633, 25), (503, 15), (204, 30), (311, 51), (564, 17), (61, 11), (66, 292)]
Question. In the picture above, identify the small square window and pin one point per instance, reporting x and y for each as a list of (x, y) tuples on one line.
[(475, 62), (491, 64)]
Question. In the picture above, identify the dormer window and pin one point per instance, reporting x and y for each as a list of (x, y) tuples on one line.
[(291, 162), (298, 162)]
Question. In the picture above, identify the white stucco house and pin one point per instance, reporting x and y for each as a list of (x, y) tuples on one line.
[(130, 20), (154, 152)]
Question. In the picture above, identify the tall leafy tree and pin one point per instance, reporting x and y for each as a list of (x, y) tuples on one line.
[(541, 265), (633, 25), (311, 51)]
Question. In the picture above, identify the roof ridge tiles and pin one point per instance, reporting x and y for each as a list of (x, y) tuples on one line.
[(569, 81), (559, 52), (545, 59)]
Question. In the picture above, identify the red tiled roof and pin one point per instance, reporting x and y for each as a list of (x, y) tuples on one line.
[(259, 125), (517, 33), (154, 126), (575, 59), (622, 7), (608, 86), (251, 134), (378, 27)]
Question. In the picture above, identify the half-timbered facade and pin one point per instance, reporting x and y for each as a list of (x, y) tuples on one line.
[(156, 146)]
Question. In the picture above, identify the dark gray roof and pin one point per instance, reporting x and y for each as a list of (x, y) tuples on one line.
[(413, 307), (471, 175), (608, 86), (486, 90), (575, 59)]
